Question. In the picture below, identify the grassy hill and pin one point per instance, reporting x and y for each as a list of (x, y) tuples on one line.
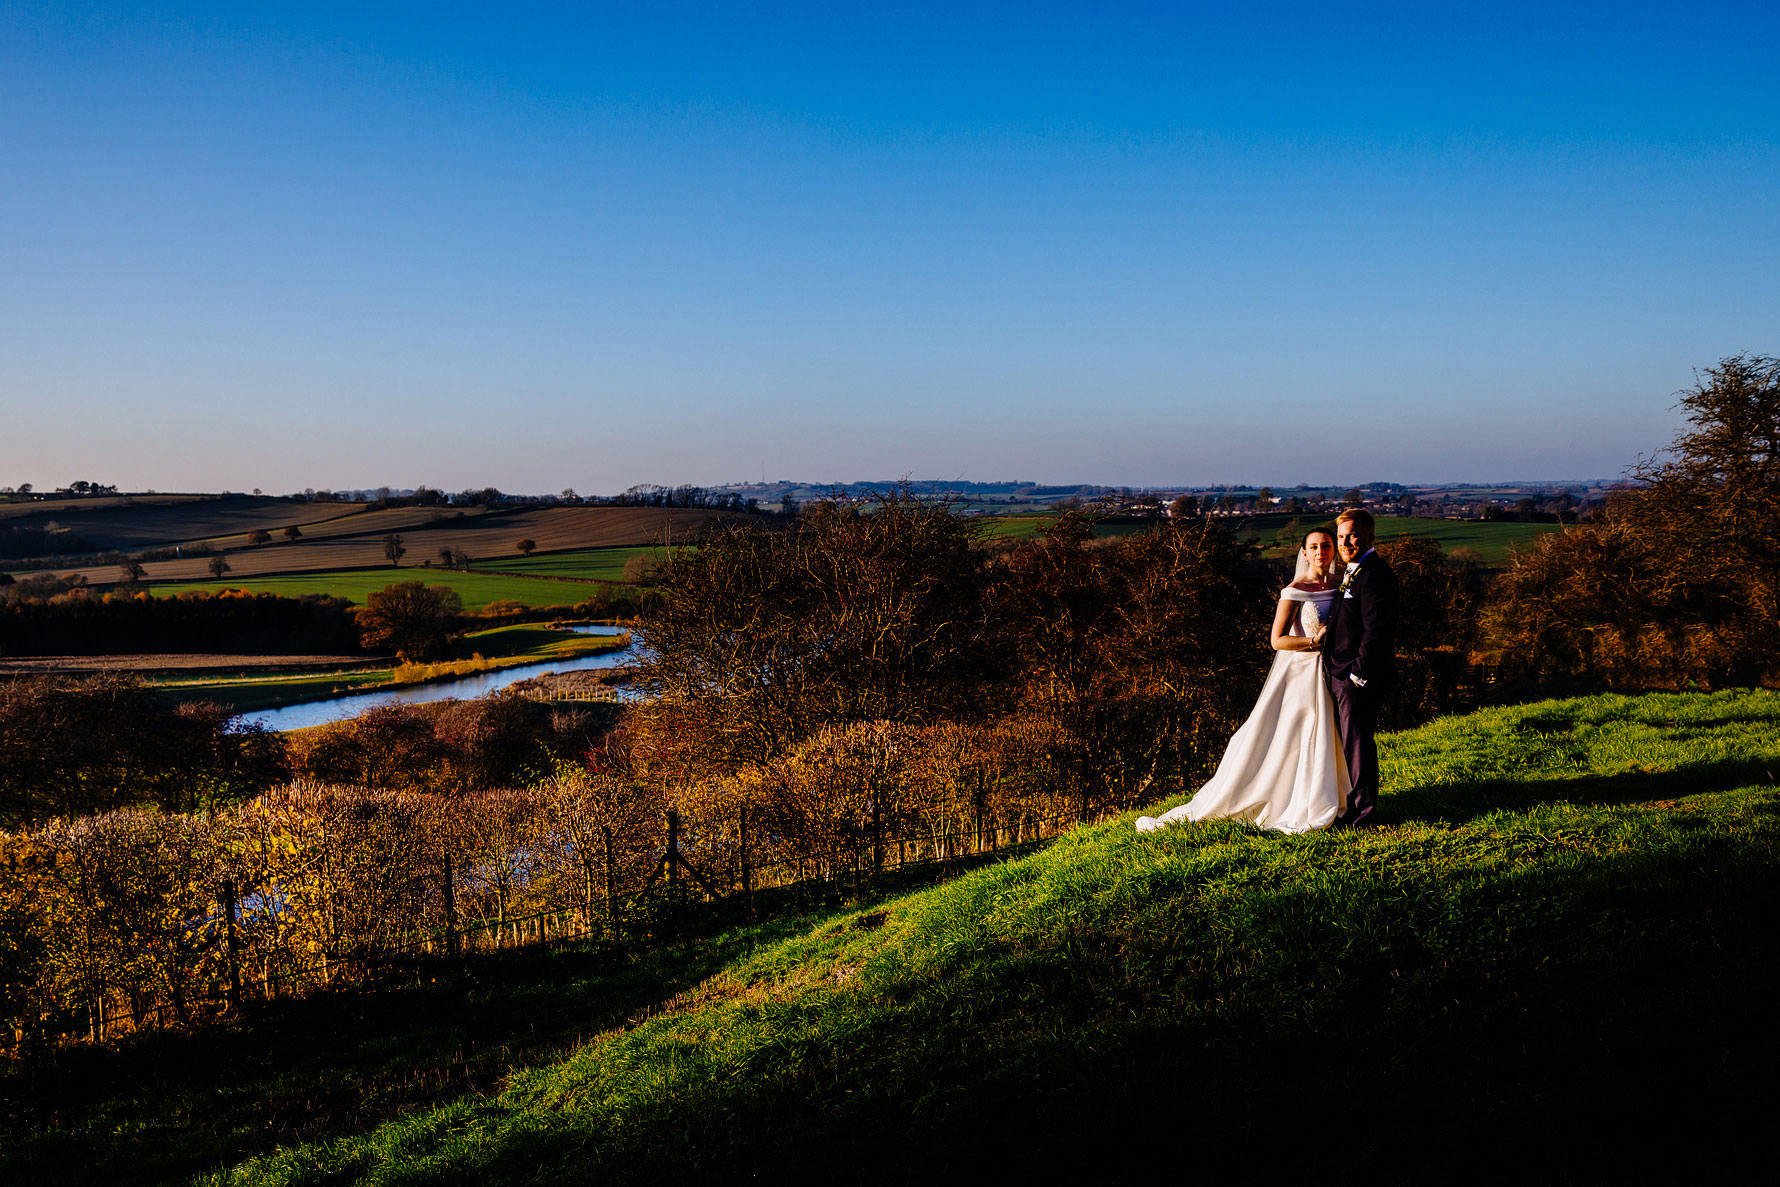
[(1555, 962)]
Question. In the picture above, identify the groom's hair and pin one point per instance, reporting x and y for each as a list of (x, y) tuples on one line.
[(1360, 516)]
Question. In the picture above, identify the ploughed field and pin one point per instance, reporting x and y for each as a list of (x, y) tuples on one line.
[(139, 521), (355, 540)]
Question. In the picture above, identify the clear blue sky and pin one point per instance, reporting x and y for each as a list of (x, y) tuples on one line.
[(539, 246)]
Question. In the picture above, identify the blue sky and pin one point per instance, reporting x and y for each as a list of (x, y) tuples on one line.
[(539, 246)]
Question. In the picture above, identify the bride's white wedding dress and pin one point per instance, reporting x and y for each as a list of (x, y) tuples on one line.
[(1283, 769)]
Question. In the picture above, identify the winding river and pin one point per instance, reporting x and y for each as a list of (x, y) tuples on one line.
[(293, 717)]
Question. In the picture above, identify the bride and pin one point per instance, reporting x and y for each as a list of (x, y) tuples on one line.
[(1283, 769)]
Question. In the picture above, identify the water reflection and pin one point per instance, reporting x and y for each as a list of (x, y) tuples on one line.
[(293, 717)]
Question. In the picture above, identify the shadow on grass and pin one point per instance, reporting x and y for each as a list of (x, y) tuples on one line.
[(1456, 804), (167, 1106), (1615, 1034), (163, 1106)]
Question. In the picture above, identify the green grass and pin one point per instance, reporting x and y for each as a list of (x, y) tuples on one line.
[(500, 647), (1554, 962), (476, 589), (584, 564)]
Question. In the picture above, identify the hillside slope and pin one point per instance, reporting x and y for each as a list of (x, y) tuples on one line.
[(1555, 961)]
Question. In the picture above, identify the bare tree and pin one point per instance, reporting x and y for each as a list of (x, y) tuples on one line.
[(132, 569), (392, 548), (218, 566)]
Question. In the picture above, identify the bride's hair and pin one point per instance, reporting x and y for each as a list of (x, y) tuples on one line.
[(1302, 569)]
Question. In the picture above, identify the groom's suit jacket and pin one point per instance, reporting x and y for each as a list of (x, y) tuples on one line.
[(1362, 636)]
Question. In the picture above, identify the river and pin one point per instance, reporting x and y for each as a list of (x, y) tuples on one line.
[(296, 717)]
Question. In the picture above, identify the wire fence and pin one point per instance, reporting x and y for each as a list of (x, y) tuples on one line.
[(696, 873)]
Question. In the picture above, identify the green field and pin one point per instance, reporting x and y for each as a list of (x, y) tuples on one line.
[(476, 589), (1492, 541), (1550, 961), (582, 564), (1027, 527)]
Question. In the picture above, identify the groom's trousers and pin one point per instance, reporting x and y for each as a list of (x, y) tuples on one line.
[(1356, 718)]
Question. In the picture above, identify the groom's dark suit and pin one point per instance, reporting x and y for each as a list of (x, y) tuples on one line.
[(1362, 642)]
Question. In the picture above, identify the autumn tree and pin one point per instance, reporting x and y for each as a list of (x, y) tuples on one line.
[(1677, 582), (1714, 494), (217, 566), (1142, 652), (131, 569), (639, 569), (259, 536), (293, 533), (526, 546), (859, 614), (409, 618)]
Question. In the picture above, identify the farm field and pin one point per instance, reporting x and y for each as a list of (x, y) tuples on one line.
[(425, 532), (1492, 541), (1566, 913), (1026, 526), (585, 564), (14, 507), (476, 589), (131, 522)]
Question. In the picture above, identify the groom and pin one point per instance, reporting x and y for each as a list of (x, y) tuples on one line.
[(1360, 659)]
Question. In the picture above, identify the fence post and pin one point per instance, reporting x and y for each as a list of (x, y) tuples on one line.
[(747, 872), (232, 943), (877, 835), (452, 947), (611, 884)]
